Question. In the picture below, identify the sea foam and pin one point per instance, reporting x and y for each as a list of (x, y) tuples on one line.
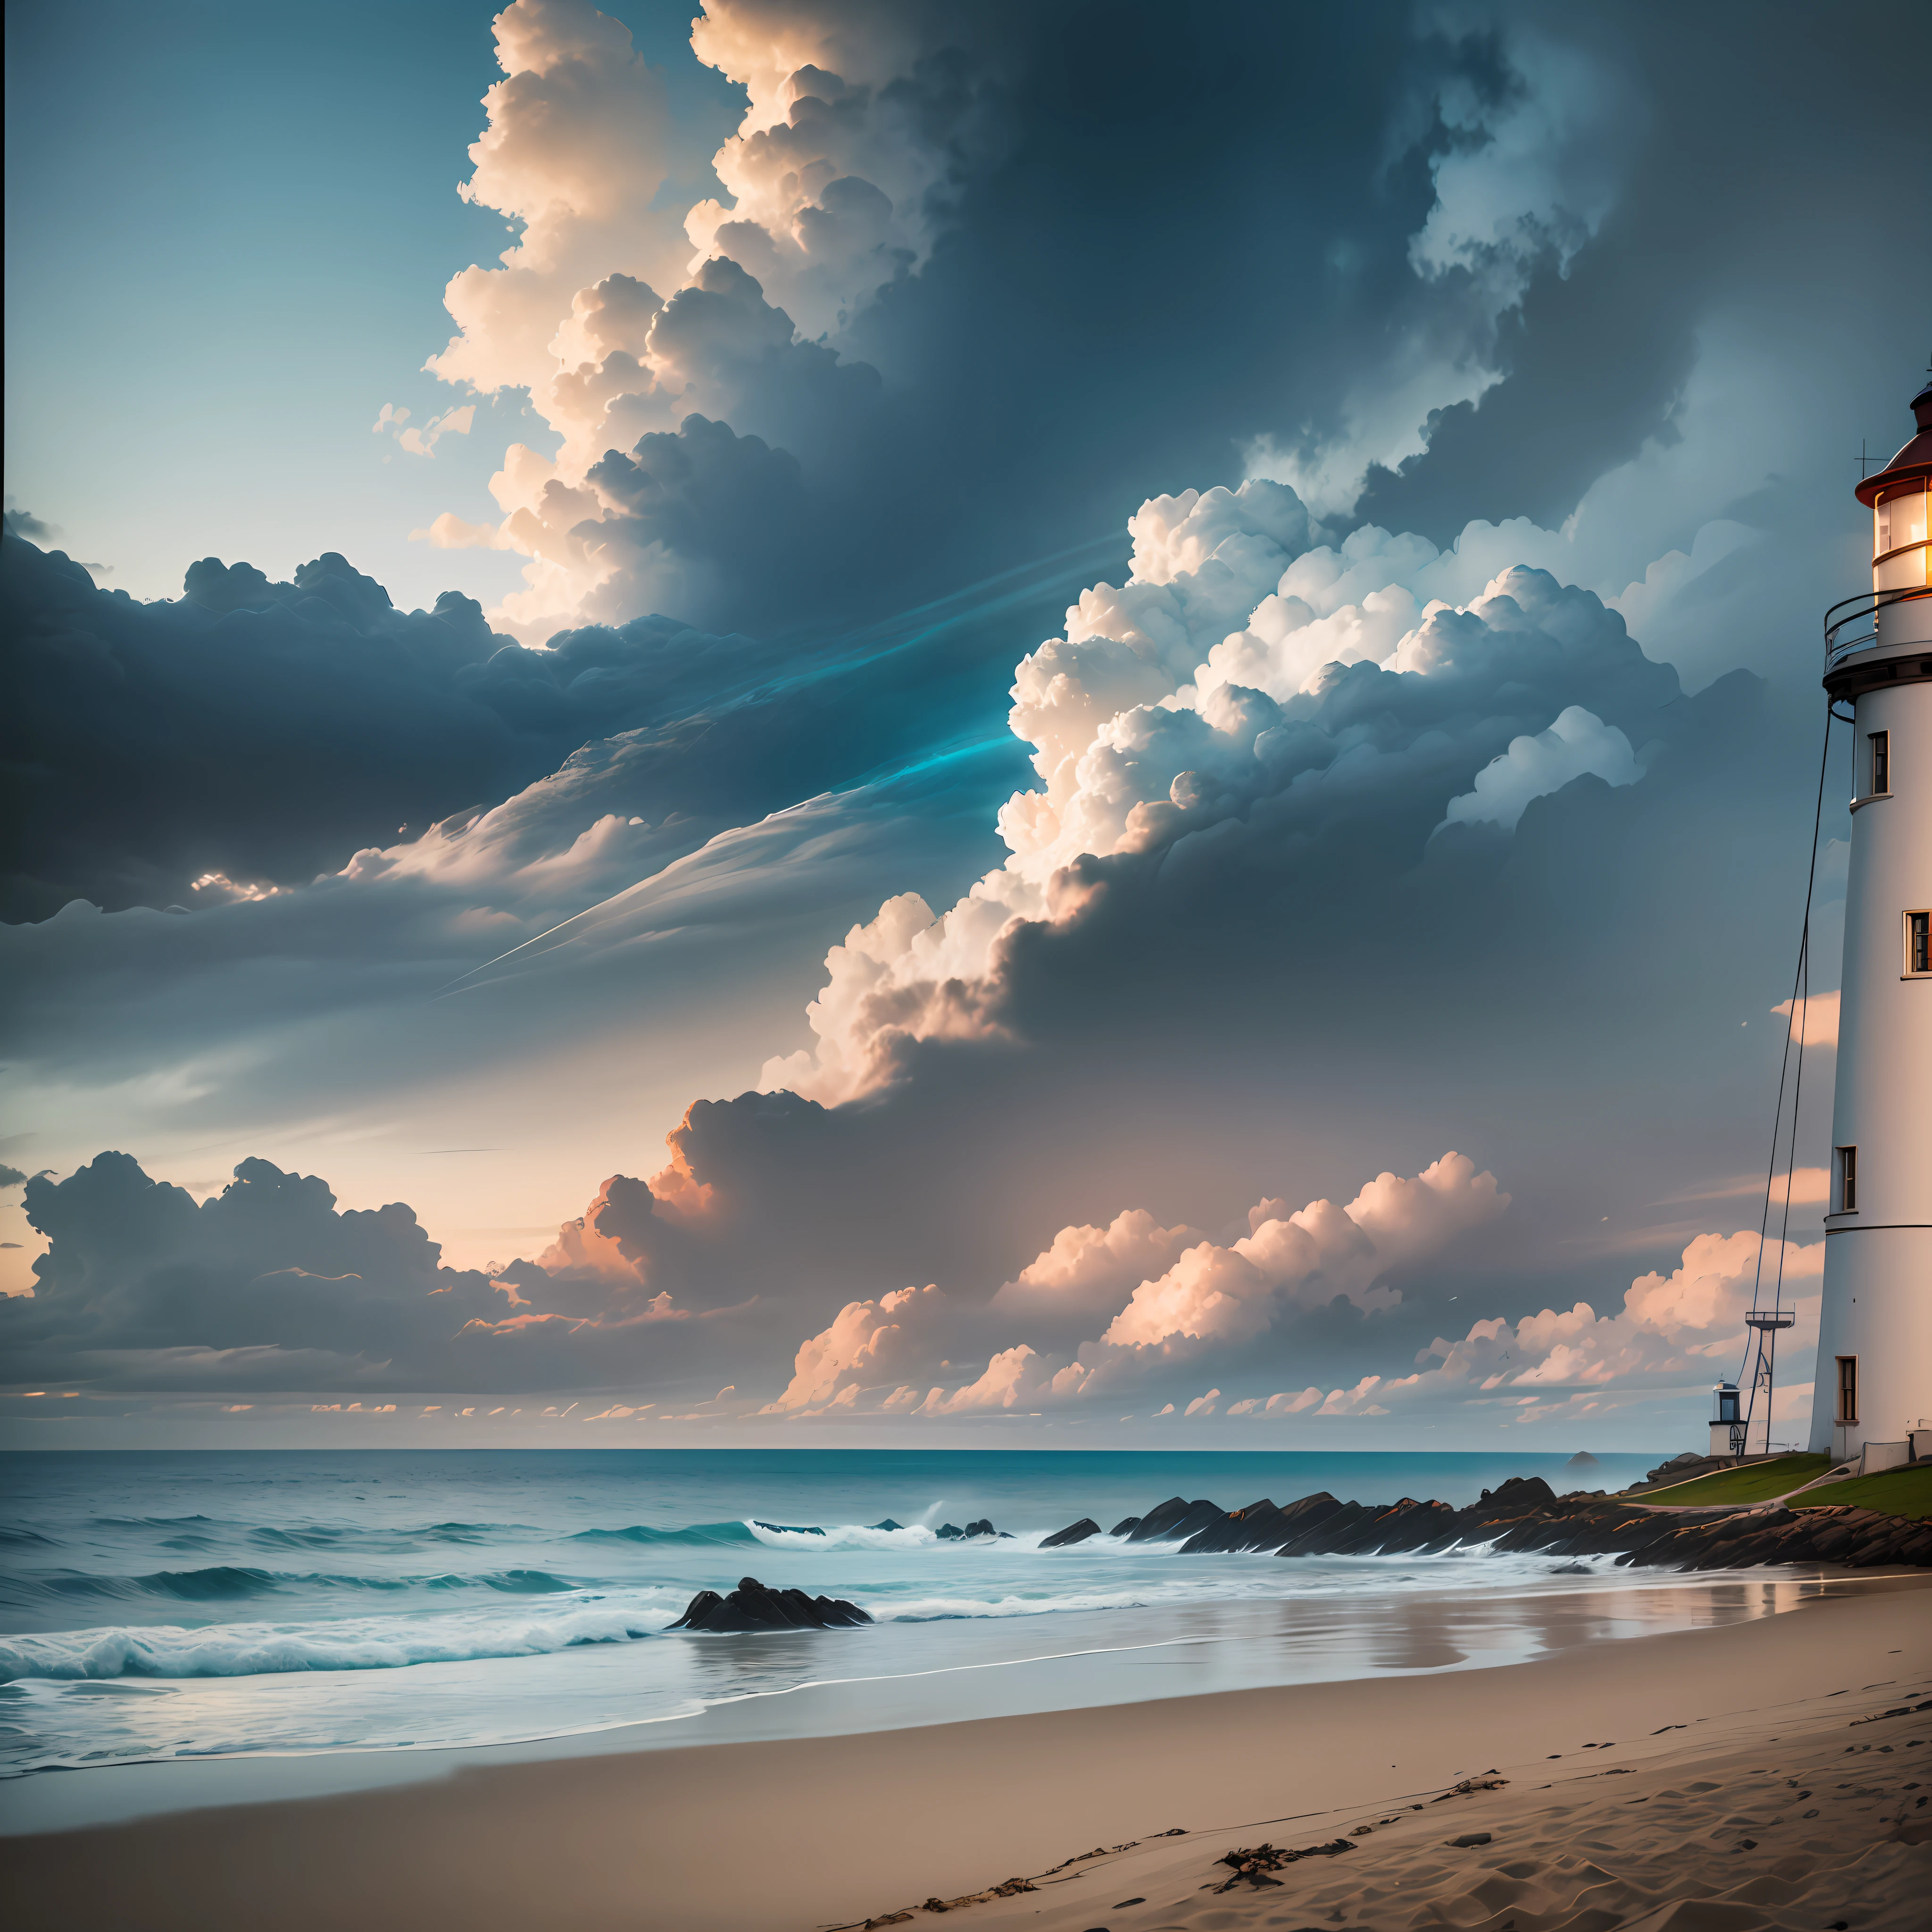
[(350, 1643)]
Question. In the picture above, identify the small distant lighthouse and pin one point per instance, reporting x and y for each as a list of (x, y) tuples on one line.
[(1874, 1380)]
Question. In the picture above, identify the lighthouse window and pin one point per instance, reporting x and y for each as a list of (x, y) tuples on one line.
[(1901, 519), (1881, 761), (1848, 1180), (1918, 943), (1848, 1388)]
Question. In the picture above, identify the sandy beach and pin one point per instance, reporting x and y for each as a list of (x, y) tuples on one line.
[(1636, 1770)]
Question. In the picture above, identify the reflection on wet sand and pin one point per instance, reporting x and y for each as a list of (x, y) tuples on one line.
[(882, 1681)]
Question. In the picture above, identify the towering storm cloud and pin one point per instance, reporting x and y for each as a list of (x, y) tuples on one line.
[(1160, 712)]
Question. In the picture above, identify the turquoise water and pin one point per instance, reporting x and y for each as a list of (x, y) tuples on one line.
[(164, 1605)]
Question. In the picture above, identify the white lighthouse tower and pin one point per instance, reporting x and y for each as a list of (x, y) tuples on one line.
[(1874, 1380)]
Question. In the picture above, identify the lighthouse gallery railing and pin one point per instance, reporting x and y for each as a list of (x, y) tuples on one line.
[(1863, 610)]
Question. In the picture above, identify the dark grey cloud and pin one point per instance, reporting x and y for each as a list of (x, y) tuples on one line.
[(1347, 944), (256, 730), (21, 522), (1190, 240), (268, 1285), (1024, 391), (1293, 943), (1295, 992), (1107, 316), (265, 731)]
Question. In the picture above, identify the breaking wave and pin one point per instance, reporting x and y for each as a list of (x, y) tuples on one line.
[(353, 1643), (229, 1583), (697, 1534), (841, 1536), (754, 1530)]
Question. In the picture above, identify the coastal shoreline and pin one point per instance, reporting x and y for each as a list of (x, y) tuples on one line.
[(800, 1833)]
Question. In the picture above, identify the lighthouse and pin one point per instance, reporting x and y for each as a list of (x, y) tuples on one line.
[(1874, 1389)]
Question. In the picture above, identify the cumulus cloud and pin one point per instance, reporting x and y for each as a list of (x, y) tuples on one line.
[(1538, 142), (1207, 1302), (1578, 742), (1067, 1290), (1228, 1295), (1820, 1013), (420, 439), (1686, 1324), (267, 1284), (1220, 867), (869, 1342), (252, 729), (1673, 1332), (1146, 744), (21, 522), (860, 121), (253, 734), (576, 146)]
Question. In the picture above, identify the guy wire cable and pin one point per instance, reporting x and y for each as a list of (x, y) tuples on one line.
[(1799, 981)]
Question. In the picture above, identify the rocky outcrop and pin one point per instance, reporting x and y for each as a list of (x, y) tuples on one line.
[(949, 1531), (1680, 1469), (751, 1606), (1173, 1521), (1526, 1514), (1074, 1532), (1259, 1526)]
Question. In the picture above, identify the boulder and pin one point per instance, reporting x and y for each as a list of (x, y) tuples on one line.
[(1155, 1522), (984, 1527), (1174, 1521), (751, 1606), (1125, 1525), (1259, 1526), (948, 1532), (1074, 1532)]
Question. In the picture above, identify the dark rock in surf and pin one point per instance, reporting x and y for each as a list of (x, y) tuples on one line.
[(1525, 1515), (1173, 1521), (1148, 1527), (984, 1527), (1074, 1532), (1124, 1525), (888, 1524), (1259, 1526), (751, 1606), (948, 1532)]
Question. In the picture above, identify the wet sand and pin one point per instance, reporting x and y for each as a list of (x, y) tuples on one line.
[(1714, 1731)]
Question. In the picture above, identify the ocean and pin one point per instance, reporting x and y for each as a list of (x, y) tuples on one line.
[(159, 1606)]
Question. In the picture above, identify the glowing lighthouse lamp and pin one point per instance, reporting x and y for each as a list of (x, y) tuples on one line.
[(1873, 1393)]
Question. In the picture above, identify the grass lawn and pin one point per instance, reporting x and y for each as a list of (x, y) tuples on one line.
[(1897, 1492), (1756, 1483)]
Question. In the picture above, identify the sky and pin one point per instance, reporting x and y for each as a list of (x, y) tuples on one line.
[(857, 723)]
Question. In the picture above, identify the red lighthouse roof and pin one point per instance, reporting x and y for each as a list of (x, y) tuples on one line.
[(1915, 460)]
